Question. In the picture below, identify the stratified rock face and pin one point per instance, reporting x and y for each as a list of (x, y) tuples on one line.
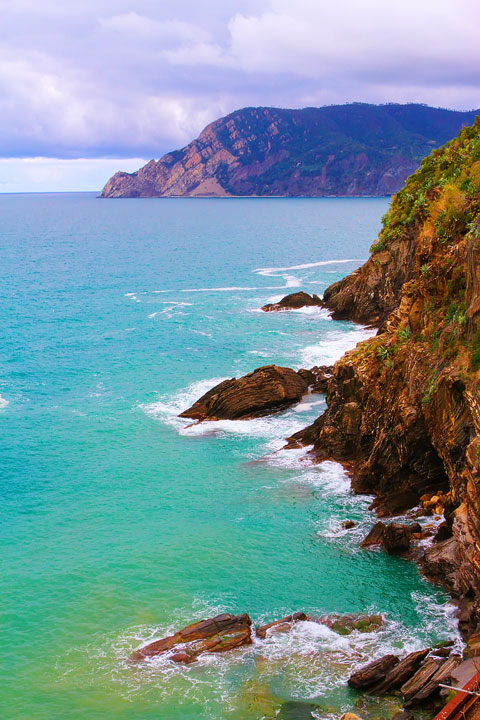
[(264, 391), (294, 301), (355, 149), (404, 406), (219, 634)]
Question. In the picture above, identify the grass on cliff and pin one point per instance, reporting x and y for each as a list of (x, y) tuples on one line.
[(439, 207)]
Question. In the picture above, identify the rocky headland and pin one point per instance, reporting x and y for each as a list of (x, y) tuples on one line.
[(348, 150), (404, 406)]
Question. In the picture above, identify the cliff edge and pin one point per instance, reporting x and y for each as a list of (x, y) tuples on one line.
[(404, 406), (347, 150)]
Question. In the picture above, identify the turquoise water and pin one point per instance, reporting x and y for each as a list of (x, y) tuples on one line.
[(120, 524)]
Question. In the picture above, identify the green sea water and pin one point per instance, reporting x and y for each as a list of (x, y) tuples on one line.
[(121, 524)]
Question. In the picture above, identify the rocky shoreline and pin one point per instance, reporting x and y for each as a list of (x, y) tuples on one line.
[(403, 409)]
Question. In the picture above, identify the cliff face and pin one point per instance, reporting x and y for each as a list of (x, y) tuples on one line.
[(347, 150), (404, 406)]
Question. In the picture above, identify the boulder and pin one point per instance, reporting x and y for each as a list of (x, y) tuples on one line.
[(375, 536), (218, 634), (348, 524), (442, 673), (400, 673), (372, 673), (425, 672), (396, 538), (294, 301), (264, 391), (282, 625)]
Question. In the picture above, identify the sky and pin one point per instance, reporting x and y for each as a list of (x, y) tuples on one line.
[(91, 87)]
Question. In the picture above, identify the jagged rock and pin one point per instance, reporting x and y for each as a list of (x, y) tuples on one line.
[(294, 301), (317, 377), (288, 620), (442, 562), (375, 536), (264, 391), (403, 671), (349, 716), (348, 524), (396, 538), (372, 673), (346, 624), (394, 503), (425, 672), (442, 674), (218, 634)]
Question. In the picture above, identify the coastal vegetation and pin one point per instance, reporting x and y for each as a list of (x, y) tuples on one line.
[(404, 406)]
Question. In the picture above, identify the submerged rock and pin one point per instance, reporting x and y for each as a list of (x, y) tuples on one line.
[(283, 625), (346, 624), (294, 301), (264, 391), (218, 634)]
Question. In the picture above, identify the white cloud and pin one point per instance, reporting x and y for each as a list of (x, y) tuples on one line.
[(41, 174), (138, 78)]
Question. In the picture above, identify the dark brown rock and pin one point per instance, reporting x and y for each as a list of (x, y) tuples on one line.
[(317, 377), (294, 301), (442, 674), (264, 391), (261, 631), (396, 538), (442, 562), (217, 634), (402, 672), (375, 536), (425, 672), (348, 524), (372, 673)]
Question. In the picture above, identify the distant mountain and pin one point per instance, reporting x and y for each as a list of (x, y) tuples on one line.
[(355, 149)]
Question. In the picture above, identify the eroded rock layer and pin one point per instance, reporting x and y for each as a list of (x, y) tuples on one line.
[(264, 391), (404, 406)]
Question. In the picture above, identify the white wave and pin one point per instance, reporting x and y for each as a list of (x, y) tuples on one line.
[(175, 302), (200, 332), (335, 344), (152, 315), (272, 428), (132, 296), (273, 270), (3, 402)]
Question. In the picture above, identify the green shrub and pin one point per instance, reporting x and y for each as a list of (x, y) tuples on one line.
[(425, 269), (475, 352)]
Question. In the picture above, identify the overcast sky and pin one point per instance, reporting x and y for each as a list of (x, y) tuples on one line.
[(115, 82)]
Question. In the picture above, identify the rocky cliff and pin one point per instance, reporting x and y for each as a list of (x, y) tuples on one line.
[(355, 149), (404, 406)]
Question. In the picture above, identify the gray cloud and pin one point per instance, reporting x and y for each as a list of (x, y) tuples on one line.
[(136, 78)]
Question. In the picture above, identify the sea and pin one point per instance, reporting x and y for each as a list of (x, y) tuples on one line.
[(122, 523)]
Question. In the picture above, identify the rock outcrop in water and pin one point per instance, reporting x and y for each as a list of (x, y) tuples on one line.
[(264, 391), (347, 150), (219, 634), (294, 301), (404, 407)]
